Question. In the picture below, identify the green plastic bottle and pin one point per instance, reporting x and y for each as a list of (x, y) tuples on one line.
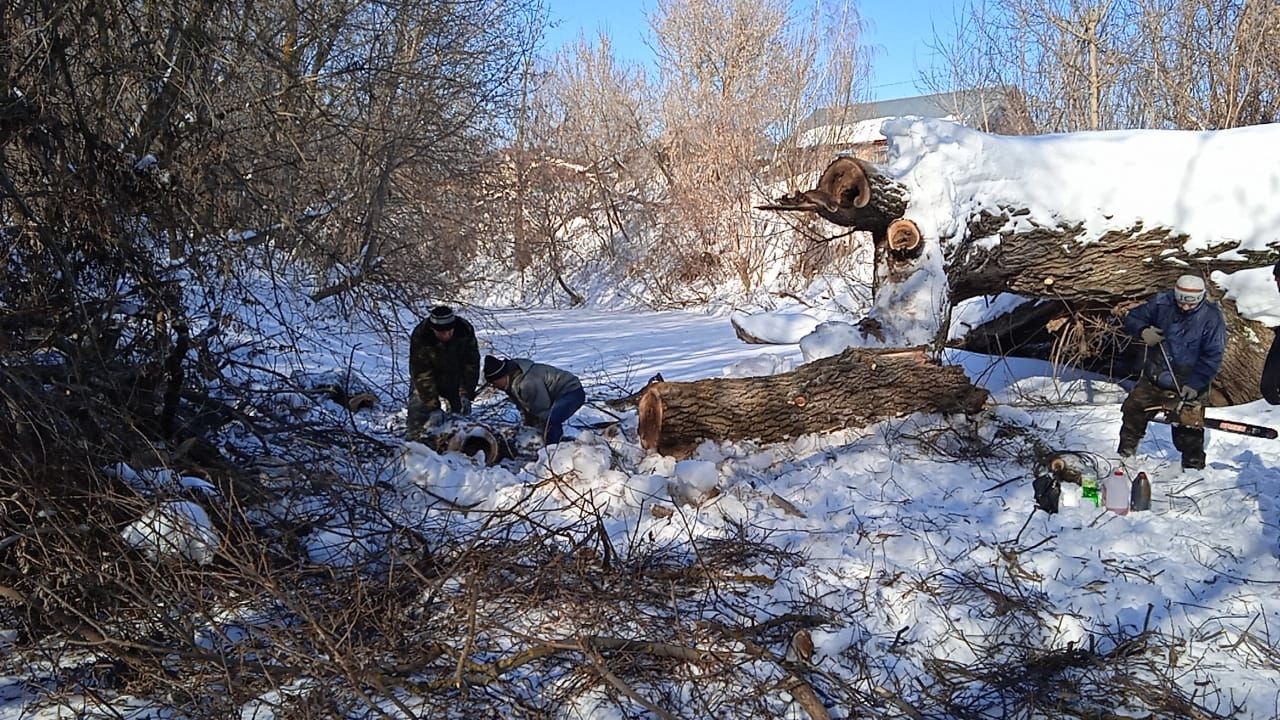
[(1089, 489)]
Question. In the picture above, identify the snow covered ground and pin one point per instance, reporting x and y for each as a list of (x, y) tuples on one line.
[(898, 525), (916, 540), (922, 509), (922, 497)]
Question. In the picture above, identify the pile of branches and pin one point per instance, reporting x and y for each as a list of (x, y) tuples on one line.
[(509, 616)]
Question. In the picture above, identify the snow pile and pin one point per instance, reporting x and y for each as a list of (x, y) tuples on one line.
[(1254, 293), (176, 529), (777, 327), (1216, 187), (693, 481), (759, 366)]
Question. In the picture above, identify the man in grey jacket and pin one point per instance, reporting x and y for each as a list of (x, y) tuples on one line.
[(546, 395)]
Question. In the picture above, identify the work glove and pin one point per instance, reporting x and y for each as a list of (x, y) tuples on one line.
[(1152, 335), (1189, 393), (464, 407)]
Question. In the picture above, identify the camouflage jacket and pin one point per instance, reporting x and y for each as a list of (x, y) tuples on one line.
[(536, 387), (436, 368)]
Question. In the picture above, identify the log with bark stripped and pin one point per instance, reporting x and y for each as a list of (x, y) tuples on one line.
[(853, 389)]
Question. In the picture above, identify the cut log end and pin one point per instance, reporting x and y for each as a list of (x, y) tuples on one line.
[(649, 418), (845, 184), (904, 236), (470, 440)]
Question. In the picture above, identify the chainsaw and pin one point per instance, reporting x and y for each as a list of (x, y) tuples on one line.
[(1174, 410)]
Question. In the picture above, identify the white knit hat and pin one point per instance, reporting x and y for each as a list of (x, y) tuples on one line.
[(1189, 290)]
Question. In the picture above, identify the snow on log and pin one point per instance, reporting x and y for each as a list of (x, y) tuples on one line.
[(1094, 222), (853, 389), (772, 328)]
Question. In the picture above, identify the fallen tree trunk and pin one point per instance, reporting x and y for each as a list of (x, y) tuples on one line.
[(853, 389), (851, 193), (1094, 279)]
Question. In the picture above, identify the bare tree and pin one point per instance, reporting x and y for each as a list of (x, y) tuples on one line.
[(160, 162), (735, 77), (1106, 64), (619, 167), (580, 176), (1208, 64)]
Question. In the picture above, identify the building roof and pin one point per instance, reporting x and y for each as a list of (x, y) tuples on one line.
[(860, 123)]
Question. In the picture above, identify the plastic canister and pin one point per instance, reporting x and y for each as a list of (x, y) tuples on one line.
[(1115, 493), (1140, 493), (1089, 488)]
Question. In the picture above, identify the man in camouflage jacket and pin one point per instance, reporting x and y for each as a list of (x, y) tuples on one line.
[(444, 362)]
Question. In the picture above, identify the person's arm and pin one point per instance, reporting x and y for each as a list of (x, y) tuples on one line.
[(1140, 317)]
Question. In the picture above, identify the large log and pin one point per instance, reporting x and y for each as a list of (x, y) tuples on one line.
[(1002, 249), (1088, 336), (1106, 277), (853, 389), (851, 193)]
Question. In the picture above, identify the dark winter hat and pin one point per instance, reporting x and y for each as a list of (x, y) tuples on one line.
[(442, 317), (494, 368)]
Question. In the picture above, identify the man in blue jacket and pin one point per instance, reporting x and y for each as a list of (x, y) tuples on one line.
[(1185, 337)]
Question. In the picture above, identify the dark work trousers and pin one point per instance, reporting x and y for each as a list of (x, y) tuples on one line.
[(1135, 416), (418, 410), (1270, 384), (562, 409)]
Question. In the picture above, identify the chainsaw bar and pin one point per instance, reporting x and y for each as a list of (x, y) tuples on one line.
[(1231, 426)]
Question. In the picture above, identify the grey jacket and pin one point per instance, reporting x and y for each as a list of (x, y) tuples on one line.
[(536, 387)]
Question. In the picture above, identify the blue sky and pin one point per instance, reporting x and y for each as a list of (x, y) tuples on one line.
[(899, 31)]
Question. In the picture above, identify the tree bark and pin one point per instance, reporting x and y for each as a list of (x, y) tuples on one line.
[(855, 388), (1106, 277), (1098, 279), (1052, 331), (837, 202)]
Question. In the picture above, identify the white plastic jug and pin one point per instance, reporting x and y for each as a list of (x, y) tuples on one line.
[(1115, 493)]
